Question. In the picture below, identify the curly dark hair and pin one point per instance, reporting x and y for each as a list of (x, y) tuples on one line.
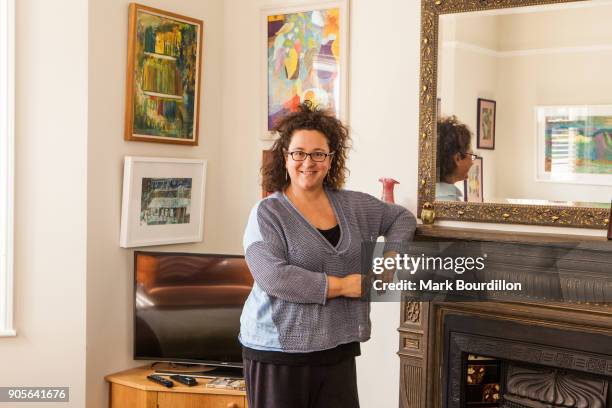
[(453, 137), (307, 117)]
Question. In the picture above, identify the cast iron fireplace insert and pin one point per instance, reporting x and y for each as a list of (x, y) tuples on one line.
[(539, 367)]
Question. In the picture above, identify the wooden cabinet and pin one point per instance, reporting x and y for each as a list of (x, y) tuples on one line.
[(131, 389)]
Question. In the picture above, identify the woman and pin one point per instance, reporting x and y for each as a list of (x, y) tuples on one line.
[(454, 157), (303, 321)]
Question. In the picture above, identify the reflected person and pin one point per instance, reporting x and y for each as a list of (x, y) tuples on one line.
[(455, 157)]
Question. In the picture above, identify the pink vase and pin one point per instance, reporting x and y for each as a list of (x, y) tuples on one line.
[(388, 186)]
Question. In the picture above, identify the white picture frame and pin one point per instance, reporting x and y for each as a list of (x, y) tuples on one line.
[(342, 69), (163, 201), (565, 168)]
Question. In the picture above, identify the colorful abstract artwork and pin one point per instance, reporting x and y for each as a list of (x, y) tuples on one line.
[(305, 51), (165, 201), (473, 186), (163, 76), (576, 144), (485, 138)]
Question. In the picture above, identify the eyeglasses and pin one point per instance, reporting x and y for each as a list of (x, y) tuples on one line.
[(299, 155), (472, 156)]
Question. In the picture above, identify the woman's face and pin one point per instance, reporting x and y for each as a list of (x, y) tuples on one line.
[(308, 174), (463, 165)]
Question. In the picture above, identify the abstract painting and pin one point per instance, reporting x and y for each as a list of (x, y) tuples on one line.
[(163, 76), (575, 144), (306, 59), (473, 186), (163, 201), (485, 124)]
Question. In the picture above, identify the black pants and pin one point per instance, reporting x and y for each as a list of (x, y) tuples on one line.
[(310, 386)]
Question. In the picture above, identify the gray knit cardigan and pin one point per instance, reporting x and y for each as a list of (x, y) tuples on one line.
[(287, 309)]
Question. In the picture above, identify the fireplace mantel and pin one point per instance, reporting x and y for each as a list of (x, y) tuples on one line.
[(421, 331)]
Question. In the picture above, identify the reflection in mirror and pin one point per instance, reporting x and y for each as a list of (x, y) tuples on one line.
[(532, 88)]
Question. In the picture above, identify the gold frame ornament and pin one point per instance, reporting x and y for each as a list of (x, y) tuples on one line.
[(563, 216)]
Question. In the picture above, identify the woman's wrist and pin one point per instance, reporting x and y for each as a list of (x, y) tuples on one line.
[(334, 287)]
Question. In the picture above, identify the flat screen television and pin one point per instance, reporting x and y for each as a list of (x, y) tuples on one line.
[(187, 307)]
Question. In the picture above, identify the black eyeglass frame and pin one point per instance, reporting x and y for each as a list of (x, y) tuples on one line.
[(473, 155), (307, 155)]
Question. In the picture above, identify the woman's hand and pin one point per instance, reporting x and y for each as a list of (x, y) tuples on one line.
[(348, 286)]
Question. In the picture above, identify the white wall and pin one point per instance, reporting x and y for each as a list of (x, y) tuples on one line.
[(50, 188), (109, 268)]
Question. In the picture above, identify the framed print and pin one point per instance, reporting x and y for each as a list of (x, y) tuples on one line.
[(163, 76), (306, 58), (485, 124), (473, 186), (163, 201), (574, 144)]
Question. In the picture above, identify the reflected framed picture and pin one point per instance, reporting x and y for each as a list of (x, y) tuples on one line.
[(485, 124), (473, 186), (163, 201), (306, 58), (574, 144), (163, 76)]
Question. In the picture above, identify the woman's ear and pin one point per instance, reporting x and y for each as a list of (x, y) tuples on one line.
[(457, 157)]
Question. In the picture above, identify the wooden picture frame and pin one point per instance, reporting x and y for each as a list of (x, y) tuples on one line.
[(485, 124), (294, 72), (473, 186), (163, 76), (163, 201)]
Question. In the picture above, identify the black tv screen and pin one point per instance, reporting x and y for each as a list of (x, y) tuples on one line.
[(187, 307)]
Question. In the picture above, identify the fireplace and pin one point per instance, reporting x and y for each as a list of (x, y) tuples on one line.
[(532, 366), (543, 352)]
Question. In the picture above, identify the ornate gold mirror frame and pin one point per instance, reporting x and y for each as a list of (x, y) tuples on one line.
[(483, 212)]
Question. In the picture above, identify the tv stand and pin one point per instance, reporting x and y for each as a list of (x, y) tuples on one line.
[(131, 389), (198, 370)]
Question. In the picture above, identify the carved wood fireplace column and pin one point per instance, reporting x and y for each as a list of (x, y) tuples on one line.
[(413, 351)]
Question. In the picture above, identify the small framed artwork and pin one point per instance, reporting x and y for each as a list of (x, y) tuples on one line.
[(306, 58), (163, 76), (485, 133), (574, 144), (473, 186), (163, 201)]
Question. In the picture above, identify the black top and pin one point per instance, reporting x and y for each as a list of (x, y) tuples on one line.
[(331, 356), (332, 234)]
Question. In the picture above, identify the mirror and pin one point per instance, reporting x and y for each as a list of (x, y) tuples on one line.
[(516, 111)]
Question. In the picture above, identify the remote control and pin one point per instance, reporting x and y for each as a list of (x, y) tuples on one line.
[(161, 380), (183, 379)]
